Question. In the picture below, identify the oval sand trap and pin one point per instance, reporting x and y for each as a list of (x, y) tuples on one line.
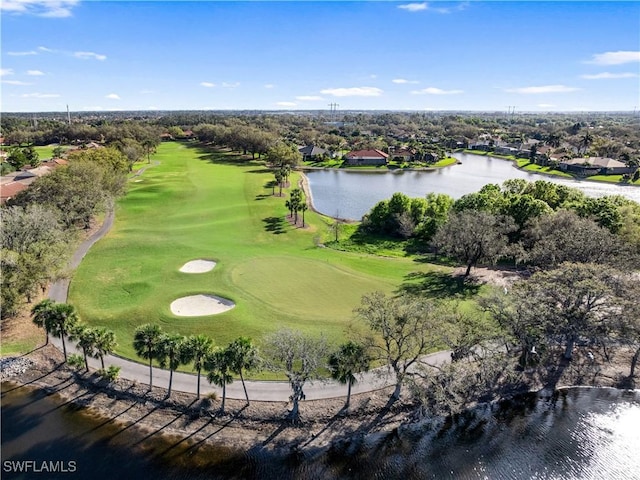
[(199, 305), (198, 266)]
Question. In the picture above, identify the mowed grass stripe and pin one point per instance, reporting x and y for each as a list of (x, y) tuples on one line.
[(217, 206)]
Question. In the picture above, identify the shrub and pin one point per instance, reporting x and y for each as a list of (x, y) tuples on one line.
[(76, 361)]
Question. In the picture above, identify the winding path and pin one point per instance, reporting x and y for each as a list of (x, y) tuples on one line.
[(273, 391)]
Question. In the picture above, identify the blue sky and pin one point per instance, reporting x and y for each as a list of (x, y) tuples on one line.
[(263, 55)]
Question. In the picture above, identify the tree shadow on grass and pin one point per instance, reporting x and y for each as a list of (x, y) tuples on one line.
[(438, 285), (226, 157), (275, 225)]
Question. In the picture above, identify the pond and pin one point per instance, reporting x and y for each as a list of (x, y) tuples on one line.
[(583, 433), (351, 194)]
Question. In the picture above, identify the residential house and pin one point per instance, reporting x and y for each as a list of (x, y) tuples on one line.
[(311, 152), (403, 154), (481, 146), (10, 190), (595, 166), (366, 157)]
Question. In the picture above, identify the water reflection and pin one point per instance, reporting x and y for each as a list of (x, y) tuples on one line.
[(582, 434), (349, 194)]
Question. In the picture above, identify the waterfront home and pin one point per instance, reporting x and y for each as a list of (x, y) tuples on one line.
[(366, 157), (595, 166)]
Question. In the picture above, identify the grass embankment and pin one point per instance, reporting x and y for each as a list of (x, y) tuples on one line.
[(196, 204), (526, 165)]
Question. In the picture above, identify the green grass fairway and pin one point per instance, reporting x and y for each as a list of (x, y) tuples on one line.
[(219, 206)]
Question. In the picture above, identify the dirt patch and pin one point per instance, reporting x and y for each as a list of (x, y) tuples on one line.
[(501, 277)]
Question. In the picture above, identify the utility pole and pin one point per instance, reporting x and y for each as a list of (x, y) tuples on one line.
[(68, 115)]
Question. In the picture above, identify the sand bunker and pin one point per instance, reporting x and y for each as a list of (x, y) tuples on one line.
[(199, 305), (198, 266)]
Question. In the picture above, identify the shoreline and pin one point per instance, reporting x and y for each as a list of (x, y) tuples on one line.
[(260, 426), (263, 425), (546, 174)]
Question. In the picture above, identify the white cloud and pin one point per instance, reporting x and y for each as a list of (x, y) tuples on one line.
[(113, 96), (309, 98), (615, 58), (35, 73), (15, 82), (607, 75), (45, 49), (22, 54), (402, 81), (543, 89), (436, 91), (146, 92), (269, 85), (419, 7), (40, 8), (207, 84), (89, 55), (230, 85), (286, 104), (353, 92), (6, 71), (39, 95), (414, 7)]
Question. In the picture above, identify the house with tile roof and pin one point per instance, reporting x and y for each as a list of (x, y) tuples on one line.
[(595, 166), (366, 157), (10, 190)]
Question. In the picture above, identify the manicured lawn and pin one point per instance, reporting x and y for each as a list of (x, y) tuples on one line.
[(46, 152), (219, 206), (533, 167), (612, 179), (445, 162)]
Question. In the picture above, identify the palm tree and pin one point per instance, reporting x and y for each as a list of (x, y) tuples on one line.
[(586, 141), (170, 354), (279, 179), (303, 208), (85, 337), (351, 358), (146, 340), (105, 343), (218, 365), (40, 313), (196, 349), (58, 319), (244, 356)]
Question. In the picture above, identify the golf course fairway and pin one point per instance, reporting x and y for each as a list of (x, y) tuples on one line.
[(192, 203)]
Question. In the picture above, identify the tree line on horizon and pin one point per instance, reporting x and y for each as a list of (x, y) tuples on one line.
[(588, 134)]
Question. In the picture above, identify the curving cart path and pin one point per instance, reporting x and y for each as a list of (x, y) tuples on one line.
[(274, 391)]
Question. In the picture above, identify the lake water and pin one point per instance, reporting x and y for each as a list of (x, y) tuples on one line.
[(351, 194), (582, 434)]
